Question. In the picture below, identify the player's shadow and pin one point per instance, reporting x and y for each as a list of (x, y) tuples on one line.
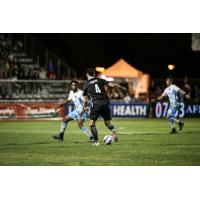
[(81, 142), (191, 132), (25, 144), (149, 133)]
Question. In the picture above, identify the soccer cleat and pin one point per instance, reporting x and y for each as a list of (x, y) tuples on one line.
[(96, 143), (58, 137), (173, 131), (91, 139), (181, 125)]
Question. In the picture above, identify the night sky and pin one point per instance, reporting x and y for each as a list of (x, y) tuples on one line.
[(150, 53)]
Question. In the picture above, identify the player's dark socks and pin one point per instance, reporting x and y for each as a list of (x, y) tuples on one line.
[(59, 137), (181, 125), (94, 132), (111, 127), (173, 131)]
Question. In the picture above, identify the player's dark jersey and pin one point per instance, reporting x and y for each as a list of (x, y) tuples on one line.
[(95, 89)]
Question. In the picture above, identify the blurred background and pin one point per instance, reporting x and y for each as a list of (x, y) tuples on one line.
[(36, 70)]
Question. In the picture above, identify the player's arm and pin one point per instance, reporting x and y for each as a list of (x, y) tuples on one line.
[(85, 106), (114, 85), (85, 98), (184, 93), (85, 102), (158, 98), (62, 103)]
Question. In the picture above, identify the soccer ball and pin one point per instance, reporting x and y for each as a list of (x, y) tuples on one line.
[(108, 139)]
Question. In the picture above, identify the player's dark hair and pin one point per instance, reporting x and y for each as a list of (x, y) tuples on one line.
[(74, 81), (170, 78), (91, 72)]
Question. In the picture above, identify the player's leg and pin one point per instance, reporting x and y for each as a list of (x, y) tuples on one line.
[(171, 116), (94, 132), (106, 114), (174, 112), (94, 114), (180, 124), (111, 128), (63, 127), (84, 128)]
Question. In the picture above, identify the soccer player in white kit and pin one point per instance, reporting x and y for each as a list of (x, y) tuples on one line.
[(172, 93), (75, 96)]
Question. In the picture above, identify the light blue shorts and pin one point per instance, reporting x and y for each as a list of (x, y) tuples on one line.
[(172, 112), (75, 115)]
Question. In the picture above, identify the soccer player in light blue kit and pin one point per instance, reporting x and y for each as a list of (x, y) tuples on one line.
[(172, 93), (75, 96)]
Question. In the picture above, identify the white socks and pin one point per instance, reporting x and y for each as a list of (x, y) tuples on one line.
[(63, 127), (86, 131), (176, 120)]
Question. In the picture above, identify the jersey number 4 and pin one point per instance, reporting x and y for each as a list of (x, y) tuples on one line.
[(97, 89)]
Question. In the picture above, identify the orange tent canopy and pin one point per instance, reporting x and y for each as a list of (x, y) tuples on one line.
[(122, 69)]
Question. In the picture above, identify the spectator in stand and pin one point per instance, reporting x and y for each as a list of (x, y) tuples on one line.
[(20, 46), (42, 74), (16, 87), (7, 73), (152, 87), (21, 75), (26, 73), (51, 70), (186, 86), (14, 72), (127, 98), (197, 93), (115, 94), (121, 94), (29, 76), (11, 57), (158, 91), (36, 76)]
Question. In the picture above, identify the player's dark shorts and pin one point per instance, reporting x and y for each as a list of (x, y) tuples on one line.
[(97, 110)]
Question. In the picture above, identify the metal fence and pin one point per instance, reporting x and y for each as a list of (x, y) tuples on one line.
[(41, 56), (34, 90)]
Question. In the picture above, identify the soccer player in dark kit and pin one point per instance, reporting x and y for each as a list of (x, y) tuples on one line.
[(100, 103)]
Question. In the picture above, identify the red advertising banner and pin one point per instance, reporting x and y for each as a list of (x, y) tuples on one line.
[(29, 111)]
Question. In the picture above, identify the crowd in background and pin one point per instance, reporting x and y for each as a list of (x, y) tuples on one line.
[(117, 94), (190, 87), (12, 69), (156, 89), (9, 67)]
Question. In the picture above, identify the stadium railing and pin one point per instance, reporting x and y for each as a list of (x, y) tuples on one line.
[(34, 90), (42, 55)]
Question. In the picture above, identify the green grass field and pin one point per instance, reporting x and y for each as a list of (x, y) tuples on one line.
[(142, 142)]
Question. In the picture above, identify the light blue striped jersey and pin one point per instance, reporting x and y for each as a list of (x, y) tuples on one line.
[(172, 93), (77, 98)]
